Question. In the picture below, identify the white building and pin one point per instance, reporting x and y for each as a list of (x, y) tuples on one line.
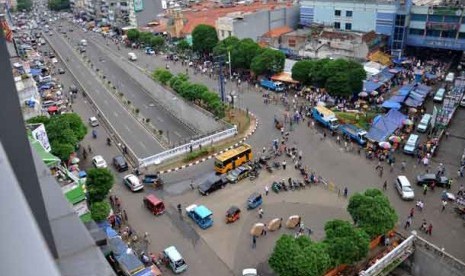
[(29, 96)]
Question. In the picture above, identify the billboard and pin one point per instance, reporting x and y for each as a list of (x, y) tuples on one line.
[(138, 5), (40, 134)]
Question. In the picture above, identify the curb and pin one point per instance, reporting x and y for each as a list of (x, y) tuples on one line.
[(216, 153)]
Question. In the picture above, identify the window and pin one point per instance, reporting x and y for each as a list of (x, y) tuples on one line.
[(337, 25), (348, 13), (416, 31), (348, 26), (291, 42), (337, 12)]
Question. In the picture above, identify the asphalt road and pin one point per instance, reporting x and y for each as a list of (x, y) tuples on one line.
[(133, 134)]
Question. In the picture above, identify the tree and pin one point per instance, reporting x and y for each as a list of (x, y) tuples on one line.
[(244, 53), (100, 210), (99, 182), (162, 75), (133, 35), (182, 46), (145, 37), (225, 45), (24, 5), (301, 71), (204, 39), (58, 5), (268, 62), (338, 84), (345, 243), (157, 42), (295, 257), (372, 212)]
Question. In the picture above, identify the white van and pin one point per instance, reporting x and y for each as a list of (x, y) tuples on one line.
[(175, 260), (450, 77), (132, 56), (424, 123), (83, 42), (411, 144), (439, 96)]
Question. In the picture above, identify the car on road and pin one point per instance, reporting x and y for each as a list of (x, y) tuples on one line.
[(239, 173), (249, 272), (212, 183), (120, 163), (430, 178), (132, 56), (82, 49), (149, 51), (93, 122), (133, 183), (99, 162), (462, 102), (61, 71), (404, 188)]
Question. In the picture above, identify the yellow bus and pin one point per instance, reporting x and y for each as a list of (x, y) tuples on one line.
[(233, 158)]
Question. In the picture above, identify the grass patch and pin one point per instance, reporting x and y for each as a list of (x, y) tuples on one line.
[(361, 120), (198, 154), (239, 118)]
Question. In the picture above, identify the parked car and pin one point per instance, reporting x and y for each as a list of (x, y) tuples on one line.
[(462, 102), (430, 178), (120, 163), (212, 183), (404, 188), (238, 174), (133, 183), (249, 272), (61, 71), (99, 162), (93, 122)]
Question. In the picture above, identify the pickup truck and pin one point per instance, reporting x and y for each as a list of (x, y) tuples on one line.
[(272, 85), (325, 117), (200, 214), (354, 133)]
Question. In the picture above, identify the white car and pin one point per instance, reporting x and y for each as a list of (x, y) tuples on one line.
[(404, 188), (93, 122), (133, 183), (99, 162), (249, 272), (462, 102)]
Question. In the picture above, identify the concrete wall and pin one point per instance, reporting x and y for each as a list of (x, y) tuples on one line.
[(264, 21)]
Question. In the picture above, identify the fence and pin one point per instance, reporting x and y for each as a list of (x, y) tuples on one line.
[(186, 148)]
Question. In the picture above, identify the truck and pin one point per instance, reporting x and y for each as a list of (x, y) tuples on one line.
[(200, 214), (272, 85), (354, 133), (325, 117)]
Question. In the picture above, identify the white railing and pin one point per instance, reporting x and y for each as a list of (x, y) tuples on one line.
[(402, 250), (186, 148)]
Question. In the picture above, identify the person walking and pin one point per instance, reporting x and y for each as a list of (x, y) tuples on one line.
[(89, 149), (408, 223), (266, 190), (125, 216), (444, 204), (254, 241), (403, 165), (346, 192), (425, 189), (260, 213), (385, 185), (412, 212), (284, 165), (430, 229)]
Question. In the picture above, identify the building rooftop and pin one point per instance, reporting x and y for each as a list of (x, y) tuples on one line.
[(277, 32)]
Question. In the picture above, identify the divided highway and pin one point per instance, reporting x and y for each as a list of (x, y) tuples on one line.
[(133, 134)]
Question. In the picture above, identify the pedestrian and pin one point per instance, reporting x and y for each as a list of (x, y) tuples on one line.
[(280, 223), (430, 229), (444, 204), (266, 190), (425, 189), (117, 203), (447, 134), (112, 201), (146, 238), (300, 155), (346, 191), (260, 213), (284, 164), (385, 185), (412, 212), (192, 184), (264, 149), (254, 241), (381, 170), (264, 231), (89, 149), (403, 165), (125, 216), (408, 222), (179, 208)]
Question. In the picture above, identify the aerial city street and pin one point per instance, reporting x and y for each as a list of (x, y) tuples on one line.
[(251, 137)]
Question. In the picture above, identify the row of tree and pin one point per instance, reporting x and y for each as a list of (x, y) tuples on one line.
[(245, 54), (157, 42), (194, 92), (58, 5), (345, 243), (339, 77), (24, 5), (65, 132)]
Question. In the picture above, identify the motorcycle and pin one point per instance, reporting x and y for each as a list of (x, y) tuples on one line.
[(269, 168)]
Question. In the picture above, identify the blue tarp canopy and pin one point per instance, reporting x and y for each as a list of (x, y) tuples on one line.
[(111, 233), (431, 76), (411, 102), (35, 72), (397, 98), (117, 246), (370, 86), (422, 89), (383, 126), (391, 104), (130, 262), (416, 96)]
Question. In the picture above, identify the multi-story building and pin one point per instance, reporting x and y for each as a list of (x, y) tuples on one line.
[(423, 23), (28, 93)]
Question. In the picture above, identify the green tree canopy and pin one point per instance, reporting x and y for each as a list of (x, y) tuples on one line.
[(372, 212), (243, 55), (157, 42), (299, 257), (99, 182), (345, 243), (182, 46), (64, 132), (58, 5), (100, 210), (268, 62), (146, 38), (24, 5), (204, 39), (225, 45), (301, 71), (133, 35), (162, 75)]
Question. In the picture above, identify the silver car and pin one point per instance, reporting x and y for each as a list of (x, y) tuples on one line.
[(404, 188)]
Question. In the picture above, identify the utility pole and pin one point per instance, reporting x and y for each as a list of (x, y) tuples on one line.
[(220, 61), (229, 62)]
